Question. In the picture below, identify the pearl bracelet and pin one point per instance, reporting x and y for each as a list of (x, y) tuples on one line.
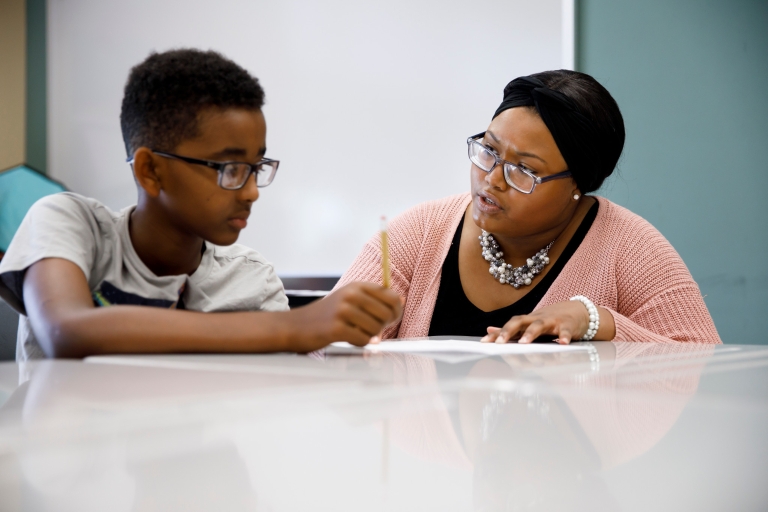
[(594, 317)]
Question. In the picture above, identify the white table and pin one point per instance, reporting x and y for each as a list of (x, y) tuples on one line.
[(649, 427)]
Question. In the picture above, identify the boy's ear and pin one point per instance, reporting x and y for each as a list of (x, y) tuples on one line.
[(145, 164)]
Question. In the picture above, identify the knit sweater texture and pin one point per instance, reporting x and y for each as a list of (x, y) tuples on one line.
[(623, 264)]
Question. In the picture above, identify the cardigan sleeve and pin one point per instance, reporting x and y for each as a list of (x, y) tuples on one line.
[(404, 232), (657, 298)]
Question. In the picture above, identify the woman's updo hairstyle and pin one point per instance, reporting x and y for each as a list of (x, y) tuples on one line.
[(582, 116)]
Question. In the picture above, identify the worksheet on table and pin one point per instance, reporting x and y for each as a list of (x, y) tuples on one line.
[(428, 346)]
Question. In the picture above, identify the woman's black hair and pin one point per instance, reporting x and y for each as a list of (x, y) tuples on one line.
[(165, 94), (582, 116)]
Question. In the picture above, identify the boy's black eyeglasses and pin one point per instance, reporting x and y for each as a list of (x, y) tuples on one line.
[(516, 176), (232, 175)]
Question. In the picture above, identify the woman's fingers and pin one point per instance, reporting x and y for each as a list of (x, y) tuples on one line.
[(563, 319), (564, 336), (528, 328), (512, 328), (493, 333), (534, 330)]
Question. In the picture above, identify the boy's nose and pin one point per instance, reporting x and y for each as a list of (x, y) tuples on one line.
[(249, 192)]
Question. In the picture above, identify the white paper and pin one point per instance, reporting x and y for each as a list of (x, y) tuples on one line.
[(453, 346)]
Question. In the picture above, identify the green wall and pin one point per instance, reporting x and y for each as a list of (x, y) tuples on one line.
[(36, 139), (691, 78)]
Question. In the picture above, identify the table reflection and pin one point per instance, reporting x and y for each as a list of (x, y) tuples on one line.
[(529, 431), (537, 429), (105, 437)]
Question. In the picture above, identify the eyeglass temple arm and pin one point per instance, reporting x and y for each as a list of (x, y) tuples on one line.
[(563, 174), (189, 160)]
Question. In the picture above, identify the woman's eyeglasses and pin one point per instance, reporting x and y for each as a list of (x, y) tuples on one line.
[(516, 176)]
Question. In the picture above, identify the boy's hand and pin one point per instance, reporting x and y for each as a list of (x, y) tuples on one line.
[(354, 313)]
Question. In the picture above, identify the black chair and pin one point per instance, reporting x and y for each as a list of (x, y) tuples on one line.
[(304, 290), (9, 324)]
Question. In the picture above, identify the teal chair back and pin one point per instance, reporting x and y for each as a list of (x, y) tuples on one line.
[(20, 187)]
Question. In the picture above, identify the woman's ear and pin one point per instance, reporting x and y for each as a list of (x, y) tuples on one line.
[(145, 171)]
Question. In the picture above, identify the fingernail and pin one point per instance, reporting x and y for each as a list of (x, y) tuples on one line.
[(525, 339), (500, 339), (374, 340), (484, 339)]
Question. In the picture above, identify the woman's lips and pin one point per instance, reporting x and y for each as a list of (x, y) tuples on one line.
[(487, 203)]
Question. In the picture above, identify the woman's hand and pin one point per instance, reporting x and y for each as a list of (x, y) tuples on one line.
[(568, 320)]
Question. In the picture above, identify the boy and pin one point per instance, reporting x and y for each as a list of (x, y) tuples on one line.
[(196, 140)]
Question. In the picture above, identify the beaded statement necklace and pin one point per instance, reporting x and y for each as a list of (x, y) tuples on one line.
[(506, 273)]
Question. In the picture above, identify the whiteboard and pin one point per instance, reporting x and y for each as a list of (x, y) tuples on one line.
[(368, 104)]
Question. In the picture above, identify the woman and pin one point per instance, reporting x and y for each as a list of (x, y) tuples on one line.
[(527, 253)]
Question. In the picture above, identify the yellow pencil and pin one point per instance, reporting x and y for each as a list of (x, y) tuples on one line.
[(385, 252)]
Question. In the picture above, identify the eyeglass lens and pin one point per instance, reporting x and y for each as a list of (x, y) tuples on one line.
[(234, 175), (486, 160)]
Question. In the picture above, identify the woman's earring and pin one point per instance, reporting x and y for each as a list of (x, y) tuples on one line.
[(576, 197)]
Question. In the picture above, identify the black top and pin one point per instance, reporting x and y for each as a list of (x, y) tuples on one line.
[(455, 315)]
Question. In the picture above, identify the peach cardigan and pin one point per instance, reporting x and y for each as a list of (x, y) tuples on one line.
[(623, 264)]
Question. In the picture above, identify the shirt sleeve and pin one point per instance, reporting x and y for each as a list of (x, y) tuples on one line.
[(274, 297), (240, 279), (56, 226)]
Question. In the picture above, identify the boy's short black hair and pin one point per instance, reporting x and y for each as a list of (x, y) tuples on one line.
[(166, 93)]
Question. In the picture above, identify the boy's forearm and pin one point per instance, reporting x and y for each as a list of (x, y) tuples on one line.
[(136, 329), (60, 308), (59, 305)]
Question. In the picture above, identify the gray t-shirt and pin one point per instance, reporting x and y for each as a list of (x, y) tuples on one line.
[(87, 233)]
